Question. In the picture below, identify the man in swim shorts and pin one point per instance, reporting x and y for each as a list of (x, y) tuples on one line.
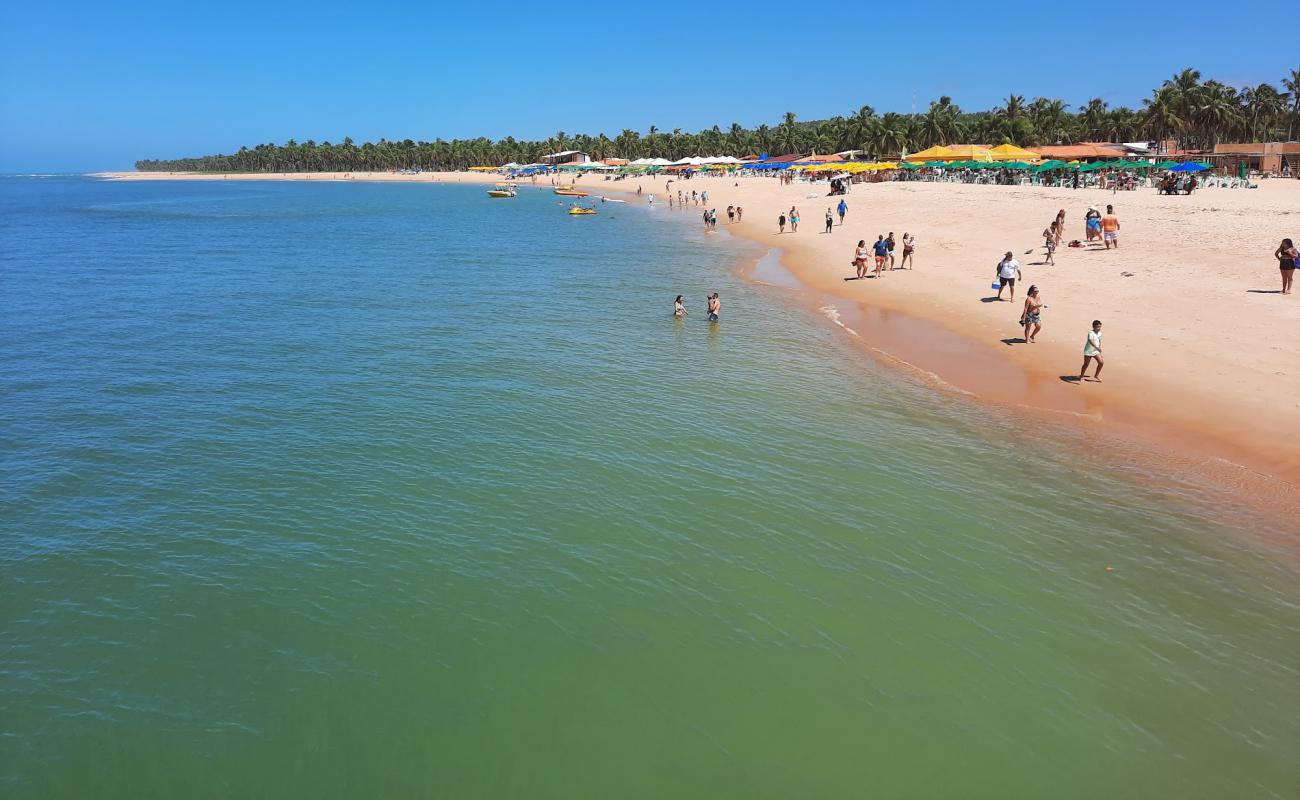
[(1008, 271), (1110, 228)]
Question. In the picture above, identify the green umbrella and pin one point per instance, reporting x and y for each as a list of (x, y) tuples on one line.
[(910, 165), (1014, 165)]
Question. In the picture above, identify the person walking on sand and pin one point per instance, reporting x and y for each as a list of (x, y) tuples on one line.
[(715, 307), (794, 220), (679, 307), (860, 258), (781, 222), (731, 213), (740, 213), (842, 208), (889, 241), (881, 250), (1110, 228), (909, 247), (1060, 226), (830, 220), (1049, 241), (1091, 350), (1007, 272), (1286, 256), (1032, 317)]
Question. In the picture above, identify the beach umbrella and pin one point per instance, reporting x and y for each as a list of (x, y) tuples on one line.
[(1241, 169), (1189, 166), (1166, 165)]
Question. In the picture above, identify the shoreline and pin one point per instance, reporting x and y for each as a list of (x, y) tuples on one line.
[(922, 331)]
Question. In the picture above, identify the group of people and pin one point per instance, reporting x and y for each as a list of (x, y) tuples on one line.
[(882, 251), (714, 307), (792, 218), (1174, 183)]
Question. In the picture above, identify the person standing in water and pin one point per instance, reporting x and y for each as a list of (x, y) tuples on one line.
[(715, 307), (679, 307), (1033, 314), (1091, 350), (1286, 257)]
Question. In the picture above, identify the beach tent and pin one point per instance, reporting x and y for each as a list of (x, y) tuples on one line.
[(936, 153), (1009, 152), (971, 152)]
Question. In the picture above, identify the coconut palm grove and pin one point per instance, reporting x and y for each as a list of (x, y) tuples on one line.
[(1200, 114)]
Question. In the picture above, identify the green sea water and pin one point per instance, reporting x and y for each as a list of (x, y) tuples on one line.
[(346, 490)]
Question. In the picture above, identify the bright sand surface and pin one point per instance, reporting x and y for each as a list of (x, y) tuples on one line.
[(1200, 344)]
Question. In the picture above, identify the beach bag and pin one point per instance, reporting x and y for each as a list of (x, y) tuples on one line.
[(995, 285)]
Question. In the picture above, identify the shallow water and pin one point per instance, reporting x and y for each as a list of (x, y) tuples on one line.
[(338, 490)]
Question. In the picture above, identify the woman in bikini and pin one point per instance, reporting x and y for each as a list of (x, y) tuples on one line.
[(1286, 256), (1033, 314), (909, 247)]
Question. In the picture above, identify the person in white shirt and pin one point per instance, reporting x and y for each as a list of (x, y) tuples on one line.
[(1092, 350), (1008, 271)]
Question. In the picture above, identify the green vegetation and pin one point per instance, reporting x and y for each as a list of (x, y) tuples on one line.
[(1198, 113)]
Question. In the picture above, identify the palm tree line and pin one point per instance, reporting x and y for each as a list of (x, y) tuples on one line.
[(1200, 114)]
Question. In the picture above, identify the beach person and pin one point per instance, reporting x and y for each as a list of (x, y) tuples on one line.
[(881, 250), (670, 199), (1092, 225), (1060, 226), (889, 240), (781, 221), (794, 220), (715, 307), (740, 213), (1110, 228), (830, 220), (860, 258), (1008, 270), (1032, 316), (1286, 256), (1092, 350), (704, 196), (909, 247), (1049, 241), (679, 307), (731, 213), (842, 208)]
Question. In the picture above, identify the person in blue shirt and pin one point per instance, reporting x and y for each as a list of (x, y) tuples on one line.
[(881, 250), (843, 208)]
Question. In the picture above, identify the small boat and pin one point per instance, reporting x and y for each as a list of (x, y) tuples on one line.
[(569, 191), (503, 190), (611, 200), (579, 211)]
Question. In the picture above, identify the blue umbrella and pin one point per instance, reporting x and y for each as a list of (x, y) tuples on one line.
[(1190, 166)]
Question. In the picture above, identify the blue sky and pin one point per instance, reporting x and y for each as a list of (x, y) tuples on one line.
[(88, 86)]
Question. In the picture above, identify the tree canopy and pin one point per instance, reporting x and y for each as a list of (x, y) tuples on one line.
[(1198, 113)]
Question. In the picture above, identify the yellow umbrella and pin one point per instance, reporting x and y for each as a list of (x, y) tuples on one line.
[(970, 152), (1009, 152)]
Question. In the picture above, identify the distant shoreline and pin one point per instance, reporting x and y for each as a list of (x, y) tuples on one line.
[(1183, 367)]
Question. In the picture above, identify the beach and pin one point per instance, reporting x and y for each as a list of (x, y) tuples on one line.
[(1199, 342)]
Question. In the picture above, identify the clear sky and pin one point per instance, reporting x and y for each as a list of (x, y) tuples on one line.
[(96, 85)]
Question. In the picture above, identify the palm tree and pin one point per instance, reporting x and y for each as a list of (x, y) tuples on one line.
[(1012, 107), (788, 134), (1292, 84), (1092, 118)]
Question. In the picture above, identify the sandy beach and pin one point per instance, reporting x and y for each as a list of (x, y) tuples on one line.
[(1199, 341)]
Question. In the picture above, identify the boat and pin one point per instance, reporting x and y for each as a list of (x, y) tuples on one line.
[(569, 191), (579, 211), (503, 190), (611, 200)]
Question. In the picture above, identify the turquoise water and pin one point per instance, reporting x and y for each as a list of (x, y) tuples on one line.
[(348, 490)]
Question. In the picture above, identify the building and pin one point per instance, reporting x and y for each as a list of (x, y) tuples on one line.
[(566, 157), (1279, 158)]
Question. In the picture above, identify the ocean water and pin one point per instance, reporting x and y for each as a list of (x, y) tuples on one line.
[(359, 490)]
